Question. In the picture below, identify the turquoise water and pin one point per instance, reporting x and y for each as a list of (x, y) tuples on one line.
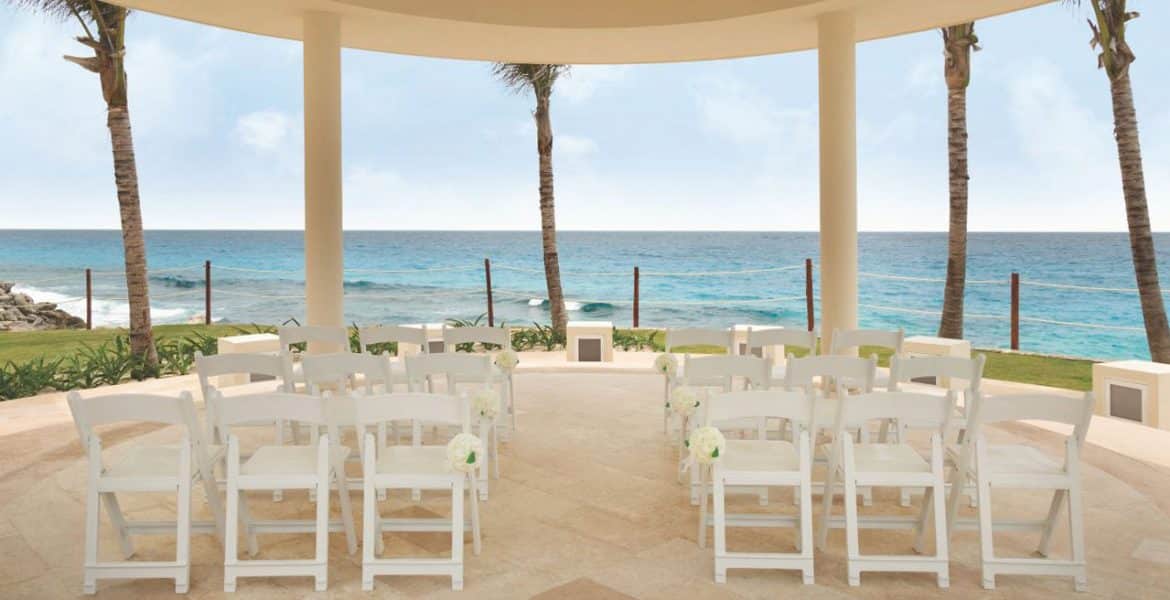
[(597, 272)]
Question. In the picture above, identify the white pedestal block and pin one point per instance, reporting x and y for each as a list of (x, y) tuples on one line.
[(434, 339), (1138, 390), (589, 341), (925, 345), (242, 344), (741, 335)]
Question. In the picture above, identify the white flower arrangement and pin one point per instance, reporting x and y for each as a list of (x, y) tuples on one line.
[(463, 452), (666, 364), (684, 400), (507, 360), (486, 403), (707, 445)]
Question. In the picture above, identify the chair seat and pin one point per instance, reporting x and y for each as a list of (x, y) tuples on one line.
[(758, 455), (287, 460), (413, 460), (888, 458), (154, 461)]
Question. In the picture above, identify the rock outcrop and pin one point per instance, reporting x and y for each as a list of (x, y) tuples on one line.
[(19, 312)]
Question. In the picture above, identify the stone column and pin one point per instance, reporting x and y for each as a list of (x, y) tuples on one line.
[(836, 68)]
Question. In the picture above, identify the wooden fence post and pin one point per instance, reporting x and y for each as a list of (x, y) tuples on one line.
[(88, 299), (637, 277), (808, 294), (487, 275), (1015, 311), (207, 292)]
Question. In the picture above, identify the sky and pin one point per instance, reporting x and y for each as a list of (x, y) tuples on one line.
[(718, 145)]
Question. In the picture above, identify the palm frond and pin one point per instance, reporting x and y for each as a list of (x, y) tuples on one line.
[(521, 77)]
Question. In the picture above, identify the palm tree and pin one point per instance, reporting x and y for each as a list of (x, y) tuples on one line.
[(1108, 26), (958, 42), (540, 80), (104, 26)]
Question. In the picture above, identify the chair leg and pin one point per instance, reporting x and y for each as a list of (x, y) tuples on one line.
[(119, 523), (249, 529), (827, 499), (183, 521), (805, 537), (278, 495), (476, 539), (986, 536), (207, 479), (346, 507), (457, 533), (369, 517), (92, 508), (941, 544), (1050, 522), (703, 501), (852, 543), (720, 525), (1077, 535), (923, 517), (231, 536), (321, 556)]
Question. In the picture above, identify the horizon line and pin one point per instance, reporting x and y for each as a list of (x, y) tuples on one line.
[(234, 229)]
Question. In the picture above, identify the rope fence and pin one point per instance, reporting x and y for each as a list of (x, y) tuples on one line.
[(634, 302)]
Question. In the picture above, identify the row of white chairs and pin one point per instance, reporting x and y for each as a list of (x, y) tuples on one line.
[(318, 466), (335, 339), (855, 464)]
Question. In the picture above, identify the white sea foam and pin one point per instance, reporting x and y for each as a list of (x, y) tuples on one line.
[(570, 305), (106, 313)]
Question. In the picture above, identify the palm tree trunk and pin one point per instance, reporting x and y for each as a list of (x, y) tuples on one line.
[(133, 241), (1141, 240), (548, 222), (952, 313)]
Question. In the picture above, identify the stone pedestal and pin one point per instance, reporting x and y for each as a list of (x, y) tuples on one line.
[(925, 345), (434, 340), (245, 344), (589, 341), (1137, 390)]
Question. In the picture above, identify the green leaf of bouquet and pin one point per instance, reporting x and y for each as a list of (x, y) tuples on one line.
[(715, 453), (471, 457)]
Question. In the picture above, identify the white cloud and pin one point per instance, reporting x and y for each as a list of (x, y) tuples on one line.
[(265, 130), (731, 109), (584, 80)]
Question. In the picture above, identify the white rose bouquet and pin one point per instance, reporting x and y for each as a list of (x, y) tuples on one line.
[(507, 360), (707, 445), (666, 364), (463, 452), (486, 403), (684, 400)]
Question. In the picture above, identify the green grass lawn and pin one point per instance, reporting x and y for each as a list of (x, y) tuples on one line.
[(1074, 374), (20, 346)]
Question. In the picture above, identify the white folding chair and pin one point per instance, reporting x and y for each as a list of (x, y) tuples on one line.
[(690, 336), (310, 467), (777, 340), (321, 338), (454, 368), (249, 364), (169, 468), (413, 467), (1019, 466), (393, 334), (850, 341), (761, 462), (890, 465), (719, 372), (937, 375), (494, 339)]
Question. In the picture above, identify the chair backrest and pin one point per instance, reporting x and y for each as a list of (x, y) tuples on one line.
[(471, 335), (800, 373), (313, 333), (145, 408), (1077, 412), (847, 339), (914, 410), (692, 336), (278, 366), (443, 409), (908, 368), (453, 366), (765, 338), (720, 369), (340, 368), (794, 405), (382, 334), (257, 408)]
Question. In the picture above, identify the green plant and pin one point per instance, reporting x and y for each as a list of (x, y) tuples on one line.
[(109, 363), (28, 378), (75, 373), (175, 356), (205, 344), (548, 337), (524, 339)]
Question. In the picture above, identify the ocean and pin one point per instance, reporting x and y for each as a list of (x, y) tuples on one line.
[(687, 278)]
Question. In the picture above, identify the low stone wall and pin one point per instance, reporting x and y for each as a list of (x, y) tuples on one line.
[(18, 312)]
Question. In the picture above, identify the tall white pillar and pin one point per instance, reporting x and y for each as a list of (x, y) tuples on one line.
[(836, 67), (323, 232)]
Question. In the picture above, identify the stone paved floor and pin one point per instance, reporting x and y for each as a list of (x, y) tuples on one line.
[(587, 507)]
